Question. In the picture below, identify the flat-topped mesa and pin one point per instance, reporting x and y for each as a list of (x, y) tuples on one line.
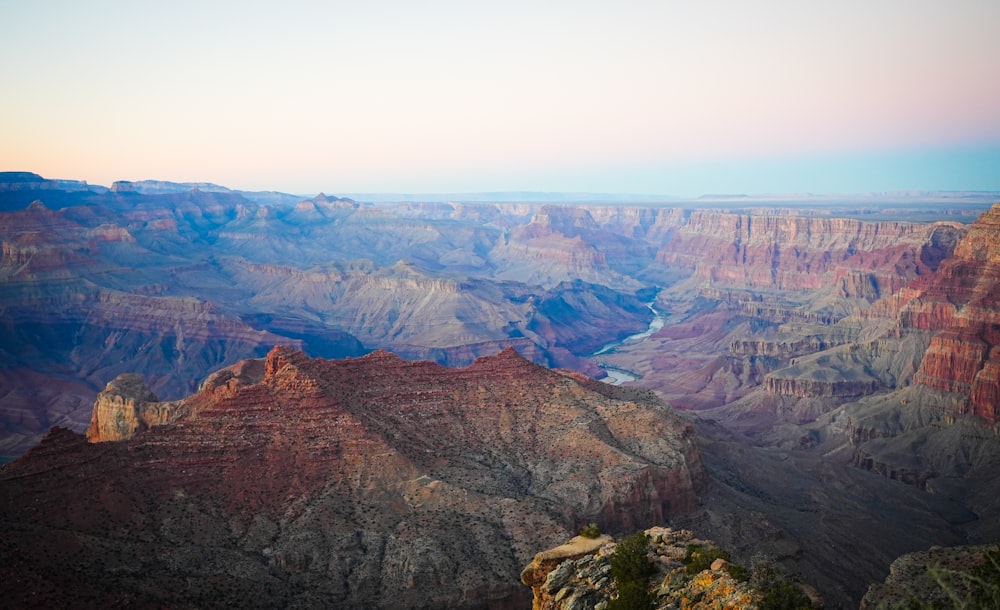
[(126, 407)]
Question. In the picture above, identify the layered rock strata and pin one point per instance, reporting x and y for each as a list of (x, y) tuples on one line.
[(367, 482), (960, 304), (858, 259)]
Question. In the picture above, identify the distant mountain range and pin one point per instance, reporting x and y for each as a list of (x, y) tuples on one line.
[(160, 187)]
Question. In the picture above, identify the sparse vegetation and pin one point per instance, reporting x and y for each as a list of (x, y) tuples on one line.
[(590, 531), (784, 595), (738, 572), (631, 569), (700, 557), (978, 589), (777, 593), (632, 596)]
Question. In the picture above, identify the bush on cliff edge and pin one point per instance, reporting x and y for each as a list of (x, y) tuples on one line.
[(631, 569)]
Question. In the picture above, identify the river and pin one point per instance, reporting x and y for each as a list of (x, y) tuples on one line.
[(618, 376)]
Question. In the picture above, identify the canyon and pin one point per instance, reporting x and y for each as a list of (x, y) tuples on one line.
[(833, 363), (357, 483)]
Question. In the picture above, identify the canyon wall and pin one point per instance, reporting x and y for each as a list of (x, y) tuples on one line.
[(368, 482), (960, 304), (175, 280), (854, 259)]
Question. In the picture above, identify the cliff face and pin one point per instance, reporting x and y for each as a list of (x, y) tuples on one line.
[(855, 259), (962, 301), (118, 412), (536, 574), (370, 482)]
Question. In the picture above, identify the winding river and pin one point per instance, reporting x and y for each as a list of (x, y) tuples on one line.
[(618, 376)]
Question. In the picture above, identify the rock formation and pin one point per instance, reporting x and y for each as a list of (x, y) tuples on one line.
[(174, 280), (858, 260), (544, 589), (826, 335), (941, 430), (120, 410), (922, 577), (366, 482), (578, 575), (965, 357)]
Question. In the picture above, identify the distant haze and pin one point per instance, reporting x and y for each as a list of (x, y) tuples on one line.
[(644, 97)]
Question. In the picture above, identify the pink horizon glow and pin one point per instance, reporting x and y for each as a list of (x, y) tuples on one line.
[(306, 96)]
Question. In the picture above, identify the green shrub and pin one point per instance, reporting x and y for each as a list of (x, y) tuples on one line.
[(777, 593), (632, 596), (784, 596), (987, 580), (700, 557), (630, 561), (738, 572), (978, 589), (590, 531), (631, 569)]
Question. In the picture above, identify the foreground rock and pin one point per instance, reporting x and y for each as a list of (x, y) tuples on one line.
[(941, 577), (359, 483), (687, 573)]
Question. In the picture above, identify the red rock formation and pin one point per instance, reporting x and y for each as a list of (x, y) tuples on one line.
[(962, 300), (369, 482), (127, 407), (858, 259)]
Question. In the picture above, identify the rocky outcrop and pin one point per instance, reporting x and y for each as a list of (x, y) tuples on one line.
[(794, 340), (578, 575), (127, 406), (938, 577), (913, 473), (841, 372), (121, 410), (918, 436), (538, 574), (368, 482), (954, 359)]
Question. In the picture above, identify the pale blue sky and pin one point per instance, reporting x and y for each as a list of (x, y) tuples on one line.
[(677, 98)]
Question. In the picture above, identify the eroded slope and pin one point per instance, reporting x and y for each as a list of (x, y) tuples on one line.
[(368, 482)]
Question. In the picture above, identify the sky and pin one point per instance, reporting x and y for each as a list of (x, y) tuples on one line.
[(661, 97)]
